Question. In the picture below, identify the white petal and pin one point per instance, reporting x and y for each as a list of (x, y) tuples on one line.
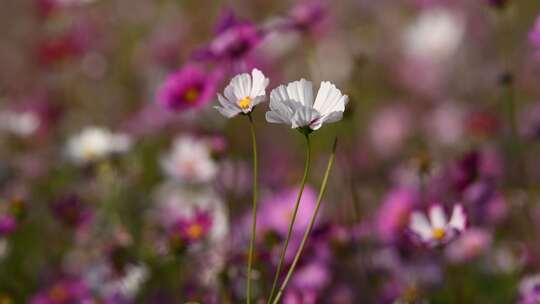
[(329, 99), (419, 224), (332, 117), (301, 91), (259, 84), (458, 219), (241, 86), (437, 216), (227, 112), (304, 116), (280, 112)]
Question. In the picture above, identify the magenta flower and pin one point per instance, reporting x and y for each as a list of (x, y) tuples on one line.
[(394, 213), (187, 231), (64, 291), (189, 88), (234, 39), (8, 224), (71, 211)]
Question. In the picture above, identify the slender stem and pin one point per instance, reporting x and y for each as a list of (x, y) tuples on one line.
[(254, 209), (293, 218), (310, 226)]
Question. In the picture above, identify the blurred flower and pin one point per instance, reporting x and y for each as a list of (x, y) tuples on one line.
[(234, 39), (435, 35), (191, 87), (187, 231), (243, 93), (393, 215), (64, 291), (8, 224), (446, 124), (195, 213), (276, 211), (529, 290), (21, 124), (437, 230), (389, 128), (293, 105), (96, 143), (534, 37), (189, 161), (471, 244), (71, 211)]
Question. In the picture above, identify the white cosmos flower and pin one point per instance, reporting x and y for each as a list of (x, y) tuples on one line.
[(19, 123), (435, 35), (189, 161), (96, 143), (243, 93), (437, 230), (293, 105)]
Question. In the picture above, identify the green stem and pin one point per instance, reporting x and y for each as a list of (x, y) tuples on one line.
[(254, 209), (293, 218), (310, 226)]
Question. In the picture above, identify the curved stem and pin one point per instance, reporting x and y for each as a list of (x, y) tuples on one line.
[(310, 226), (293, 218), (254, 209)]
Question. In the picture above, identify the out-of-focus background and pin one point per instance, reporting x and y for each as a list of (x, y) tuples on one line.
[(119, 182)]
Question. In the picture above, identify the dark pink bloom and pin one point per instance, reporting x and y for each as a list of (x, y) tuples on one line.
[(234, 39), (189, 88), (71, 211), (187, 231), (8, 223), (64, 291)]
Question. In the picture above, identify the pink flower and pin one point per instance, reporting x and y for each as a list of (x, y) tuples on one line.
[(189, 88)]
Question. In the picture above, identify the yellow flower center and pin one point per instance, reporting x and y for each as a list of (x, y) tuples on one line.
[(195, 231), (191, 95), (438, 233), (244, 103)]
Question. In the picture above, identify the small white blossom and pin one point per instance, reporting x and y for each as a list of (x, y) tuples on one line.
[(243, 93), (437, 230), (19, 123), (95, 143), (189, 161), (435, 35)]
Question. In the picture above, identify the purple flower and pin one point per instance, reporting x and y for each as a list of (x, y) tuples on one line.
[(8, 223), (529, 290), (189, 88), (306, 15), (534, 37), (71, 211), (234, 39)]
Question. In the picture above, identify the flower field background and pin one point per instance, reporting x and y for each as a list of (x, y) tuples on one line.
[(390, 148)]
